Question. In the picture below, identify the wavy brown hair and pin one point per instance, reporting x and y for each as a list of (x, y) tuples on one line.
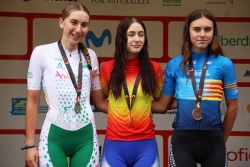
[(213, 48), (147, 72), (71, 7)]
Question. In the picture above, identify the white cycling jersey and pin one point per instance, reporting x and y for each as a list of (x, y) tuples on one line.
[(47, 67)]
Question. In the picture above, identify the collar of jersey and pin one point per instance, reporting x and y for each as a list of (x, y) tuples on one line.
[(196, 55), (72, 53)]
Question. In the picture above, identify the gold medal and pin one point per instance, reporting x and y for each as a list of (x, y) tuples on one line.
[(197, 114), (77, 108)]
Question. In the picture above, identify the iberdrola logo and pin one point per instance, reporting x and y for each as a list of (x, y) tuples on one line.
[(234, 41)]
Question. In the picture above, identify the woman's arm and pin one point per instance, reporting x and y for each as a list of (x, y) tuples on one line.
[(228, 122), (97, 97), (163, 103), (33, 100), (173, 104), (98, 100)]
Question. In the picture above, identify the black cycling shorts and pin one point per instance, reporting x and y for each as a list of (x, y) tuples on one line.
[(189, 147)]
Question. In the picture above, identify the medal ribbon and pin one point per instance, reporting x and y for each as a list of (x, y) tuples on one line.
[(78, 87), (198, 93), (127, 98)]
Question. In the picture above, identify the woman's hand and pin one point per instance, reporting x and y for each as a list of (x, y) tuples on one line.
[(32, 157)]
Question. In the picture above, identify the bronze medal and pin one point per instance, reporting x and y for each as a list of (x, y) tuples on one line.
[(77, 108), (197, 114)]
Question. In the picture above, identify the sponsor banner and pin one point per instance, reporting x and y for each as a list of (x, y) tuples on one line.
[(13, 106), (164, 37), (19, 107), (100, 38), (236, 44), (101, 35), (28, 23), (220, 8), (238, 151)]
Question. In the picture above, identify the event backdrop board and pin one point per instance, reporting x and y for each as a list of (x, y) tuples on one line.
[(28, 23)]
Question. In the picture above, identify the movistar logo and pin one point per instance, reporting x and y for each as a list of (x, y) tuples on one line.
[(225, 41), (97, 42), (247, 73)]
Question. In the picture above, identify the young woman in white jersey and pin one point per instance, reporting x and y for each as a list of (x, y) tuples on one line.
[(69, 73)]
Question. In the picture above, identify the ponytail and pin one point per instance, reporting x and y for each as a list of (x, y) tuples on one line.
[(85, 51)]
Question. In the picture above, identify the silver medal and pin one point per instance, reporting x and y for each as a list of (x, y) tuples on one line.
[(77, 107)]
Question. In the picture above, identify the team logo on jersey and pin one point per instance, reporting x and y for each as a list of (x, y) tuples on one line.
[(209, 62), (199, 72), (29, 75), (234, 91), (59, 59), (64, 76), (60, 63)]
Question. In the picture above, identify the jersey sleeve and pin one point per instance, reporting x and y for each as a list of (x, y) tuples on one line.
[(159, 80), (95, 81), (104, 77), (35, 70), (169, 79), (229, 80)]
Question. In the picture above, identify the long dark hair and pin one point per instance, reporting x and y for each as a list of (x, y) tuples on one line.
[(214, 47), (149, 84)]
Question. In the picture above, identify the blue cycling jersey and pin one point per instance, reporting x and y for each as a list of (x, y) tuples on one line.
[(220, 79)]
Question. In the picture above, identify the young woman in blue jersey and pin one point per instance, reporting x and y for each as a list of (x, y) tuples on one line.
[(69, 73), (198, 78)]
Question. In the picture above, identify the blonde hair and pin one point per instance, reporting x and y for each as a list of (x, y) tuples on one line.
[(71, 7)]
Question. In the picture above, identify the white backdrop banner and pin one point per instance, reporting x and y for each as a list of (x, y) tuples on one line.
[(28, 23)]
